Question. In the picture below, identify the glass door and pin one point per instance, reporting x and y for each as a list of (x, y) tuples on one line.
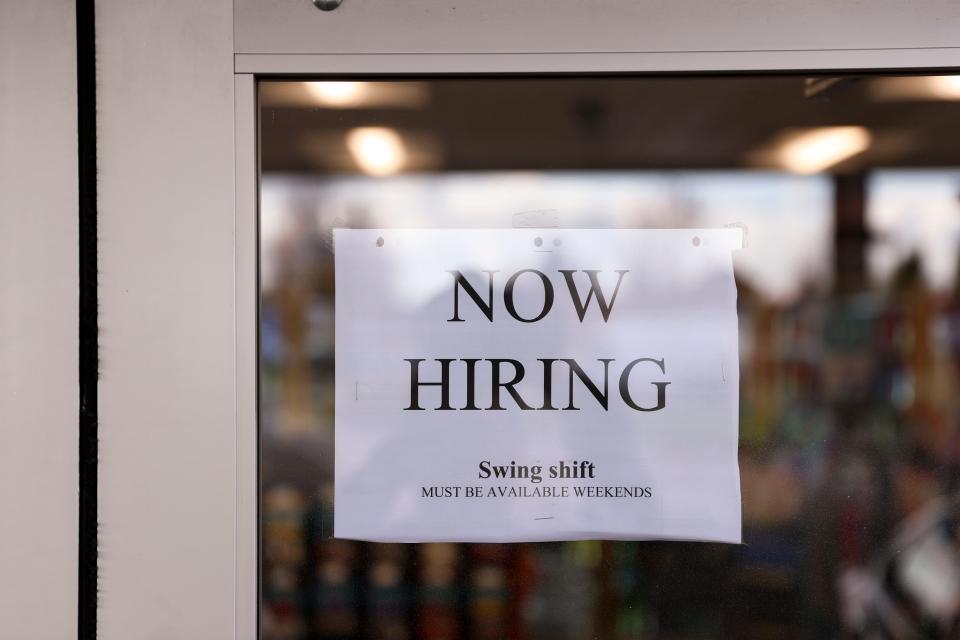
[(849, 332)]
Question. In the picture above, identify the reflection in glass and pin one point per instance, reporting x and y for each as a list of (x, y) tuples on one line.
[(849, 337)]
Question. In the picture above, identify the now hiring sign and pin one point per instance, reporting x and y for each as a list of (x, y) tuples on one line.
[(536, 384)]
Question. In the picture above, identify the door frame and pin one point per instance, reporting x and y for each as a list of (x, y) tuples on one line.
[(40, 257), (247, 218), (179, 393)]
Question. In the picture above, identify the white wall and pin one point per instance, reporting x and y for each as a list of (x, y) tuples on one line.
[(38, 320)]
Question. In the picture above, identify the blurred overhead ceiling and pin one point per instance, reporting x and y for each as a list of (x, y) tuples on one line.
[(607, 122)]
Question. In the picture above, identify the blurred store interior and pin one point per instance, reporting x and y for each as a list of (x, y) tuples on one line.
[(849, 311)]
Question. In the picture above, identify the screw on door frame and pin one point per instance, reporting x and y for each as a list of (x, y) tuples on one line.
[(327, 5)]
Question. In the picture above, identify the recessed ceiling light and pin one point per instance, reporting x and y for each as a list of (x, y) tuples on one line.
[(339, 94), (916, 88), (378, 151), (814, 150)]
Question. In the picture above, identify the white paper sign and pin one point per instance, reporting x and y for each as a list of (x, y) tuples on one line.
[(536, 384)]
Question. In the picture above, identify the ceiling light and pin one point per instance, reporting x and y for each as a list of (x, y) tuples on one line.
[(378, 151), (814, 150), (340, 94), (916, 88), (943, 87)]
